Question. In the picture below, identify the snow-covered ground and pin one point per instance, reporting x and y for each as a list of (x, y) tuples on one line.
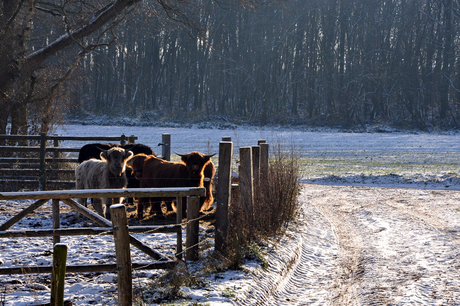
[(412, 159), (317, 251)]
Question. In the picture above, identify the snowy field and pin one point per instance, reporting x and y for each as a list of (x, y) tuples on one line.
[(349, 230), (412, 159)]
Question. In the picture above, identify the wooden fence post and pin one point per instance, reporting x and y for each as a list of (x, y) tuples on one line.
[(56, 220), (256, 172), (42, 178), (179, 221), (226, 138), (223, 198), (132, 139), (123, 139), (56, 154), (166, 148), (246, 182), (123, 254), (193, 227), (58, 275), (256, 165), (263, 161)]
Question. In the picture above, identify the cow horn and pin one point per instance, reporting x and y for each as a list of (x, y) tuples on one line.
[(181, 155), (211, 155)]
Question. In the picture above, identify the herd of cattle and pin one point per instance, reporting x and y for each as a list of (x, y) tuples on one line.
[(109, 166)]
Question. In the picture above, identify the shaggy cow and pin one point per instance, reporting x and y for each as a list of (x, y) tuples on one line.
[(93, 150), (209, 172), (157, 173), (105, 173)]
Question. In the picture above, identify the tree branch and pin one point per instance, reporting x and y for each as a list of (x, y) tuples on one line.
[(66, 40), (13, 17)]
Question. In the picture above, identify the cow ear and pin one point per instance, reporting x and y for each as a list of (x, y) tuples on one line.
[(184, 158), (104, 155)]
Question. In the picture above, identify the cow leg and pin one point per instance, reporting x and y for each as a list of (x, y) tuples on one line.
[(117, 200), (155, 206), (140, 207), (106, 203), (169, 205), (97, 204), (202, 200), (132, 183), (184, 207)]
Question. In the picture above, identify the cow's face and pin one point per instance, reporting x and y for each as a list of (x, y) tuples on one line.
[(137, 164), (195, 163), (116, 158)]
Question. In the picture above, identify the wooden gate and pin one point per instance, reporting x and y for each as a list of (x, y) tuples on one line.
[(161, 261)]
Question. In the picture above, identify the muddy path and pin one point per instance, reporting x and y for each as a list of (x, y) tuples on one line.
[(366, 246)]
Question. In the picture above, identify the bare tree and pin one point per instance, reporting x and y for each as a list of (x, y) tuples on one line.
[(42, 43)]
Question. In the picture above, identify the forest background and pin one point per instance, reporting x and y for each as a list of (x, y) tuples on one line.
[(343, 63)]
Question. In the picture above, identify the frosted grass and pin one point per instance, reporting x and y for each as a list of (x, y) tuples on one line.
[(419, 157)]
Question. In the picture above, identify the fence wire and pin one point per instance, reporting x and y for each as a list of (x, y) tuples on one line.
[(86, 240)]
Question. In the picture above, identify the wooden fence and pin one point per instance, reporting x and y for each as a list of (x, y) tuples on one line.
[(252, 172), (119, 229), (66, 197), (38, 162)]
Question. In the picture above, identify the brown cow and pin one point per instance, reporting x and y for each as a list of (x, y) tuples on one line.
[(209, 172), (157, 173)]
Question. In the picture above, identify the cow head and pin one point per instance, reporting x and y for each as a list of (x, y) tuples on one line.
[(137, 164), (116, 158), (195, 163)]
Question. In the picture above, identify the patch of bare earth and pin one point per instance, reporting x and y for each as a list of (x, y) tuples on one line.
[(366, 246)]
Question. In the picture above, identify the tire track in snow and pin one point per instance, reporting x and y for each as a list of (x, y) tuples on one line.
[(367, 246), (350, 265), (443, 212), (410, 260), (300, 270)]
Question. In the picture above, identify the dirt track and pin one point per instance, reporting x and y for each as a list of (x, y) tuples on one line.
[(366, 246)]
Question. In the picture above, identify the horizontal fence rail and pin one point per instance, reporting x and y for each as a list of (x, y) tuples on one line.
[(67, 196), (87, 268), (43, 154), (74, 138), (104, 193), (87, 231)]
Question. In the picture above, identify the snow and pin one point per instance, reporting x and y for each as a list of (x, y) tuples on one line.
[(332, 156), (428, 161)]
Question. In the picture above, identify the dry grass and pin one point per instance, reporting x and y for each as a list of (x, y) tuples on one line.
[(276, 199), (275, 205)]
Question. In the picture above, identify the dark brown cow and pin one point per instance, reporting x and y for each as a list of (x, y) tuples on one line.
[(157, 173)]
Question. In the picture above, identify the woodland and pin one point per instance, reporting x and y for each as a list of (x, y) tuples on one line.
[(314, 62)]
